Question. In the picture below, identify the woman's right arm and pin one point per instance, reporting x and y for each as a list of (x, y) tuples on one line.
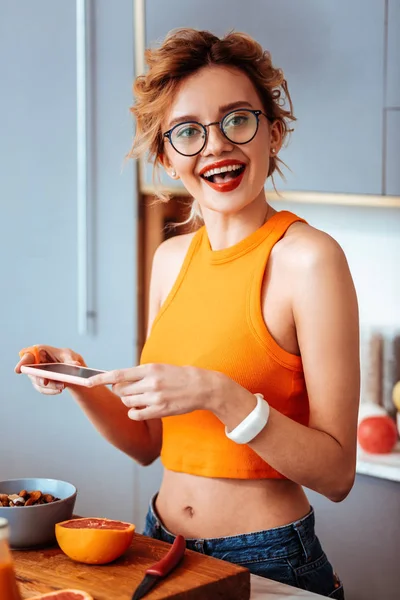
[(140, 440)]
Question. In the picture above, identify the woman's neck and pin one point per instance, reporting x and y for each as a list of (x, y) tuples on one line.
[(226, 230)]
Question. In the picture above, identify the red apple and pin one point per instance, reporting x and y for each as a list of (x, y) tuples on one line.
[(377, 435)]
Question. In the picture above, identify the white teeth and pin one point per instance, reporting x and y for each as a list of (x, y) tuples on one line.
[(221, 170)]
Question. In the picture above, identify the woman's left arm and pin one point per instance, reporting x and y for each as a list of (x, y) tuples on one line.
[(322, 456)]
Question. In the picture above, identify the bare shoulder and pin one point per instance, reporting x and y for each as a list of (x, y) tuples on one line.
[(304, 247), (314, 270), (173, 250), (167, 263)]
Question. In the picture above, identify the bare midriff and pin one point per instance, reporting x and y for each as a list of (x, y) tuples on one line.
[(204, 507)]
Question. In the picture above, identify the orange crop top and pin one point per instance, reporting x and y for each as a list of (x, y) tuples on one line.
[(212, 319)]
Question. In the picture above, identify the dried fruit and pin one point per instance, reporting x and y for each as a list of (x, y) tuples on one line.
[(35, 496), (16, 500), (25, 498), (48, 498), (4, 500), (94, 541)]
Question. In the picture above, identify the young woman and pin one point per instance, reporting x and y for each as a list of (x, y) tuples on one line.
[(248, 385)]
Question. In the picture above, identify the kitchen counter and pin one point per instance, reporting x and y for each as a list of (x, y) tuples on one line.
[(383, 466), (266, 589)]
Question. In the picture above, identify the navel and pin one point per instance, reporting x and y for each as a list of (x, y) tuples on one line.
[(189, 510)]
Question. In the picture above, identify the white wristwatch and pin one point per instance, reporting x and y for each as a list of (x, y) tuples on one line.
[(252, 424)]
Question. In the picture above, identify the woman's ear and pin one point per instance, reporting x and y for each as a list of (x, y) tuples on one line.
[(163, 159), (276, 137)]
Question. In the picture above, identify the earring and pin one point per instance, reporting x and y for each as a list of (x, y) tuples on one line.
[(273, 150), (173, 173)]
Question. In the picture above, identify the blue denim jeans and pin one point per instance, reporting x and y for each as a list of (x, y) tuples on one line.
[(290, 554)]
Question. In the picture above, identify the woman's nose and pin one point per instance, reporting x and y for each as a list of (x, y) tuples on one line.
[(217, 143)]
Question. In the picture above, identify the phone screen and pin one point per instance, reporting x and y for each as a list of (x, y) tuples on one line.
[(67, 370)]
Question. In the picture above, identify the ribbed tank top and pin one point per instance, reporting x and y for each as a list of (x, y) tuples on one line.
[(212, 319)]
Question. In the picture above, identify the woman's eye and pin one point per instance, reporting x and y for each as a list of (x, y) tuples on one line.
[(237, 120), (187, 132)]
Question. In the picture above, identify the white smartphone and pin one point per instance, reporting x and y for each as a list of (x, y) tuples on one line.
[(61, 372)]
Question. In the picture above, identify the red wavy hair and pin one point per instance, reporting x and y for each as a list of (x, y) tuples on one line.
[(182, 53)]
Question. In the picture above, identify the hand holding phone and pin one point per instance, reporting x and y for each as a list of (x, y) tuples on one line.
[(41, 354)]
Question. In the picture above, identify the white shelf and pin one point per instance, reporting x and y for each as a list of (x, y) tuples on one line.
[(310, 197), (262, 589), (384, 466)]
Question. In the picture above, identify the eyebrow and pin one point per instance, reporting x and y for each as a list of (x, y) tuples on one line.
[(222, 109)]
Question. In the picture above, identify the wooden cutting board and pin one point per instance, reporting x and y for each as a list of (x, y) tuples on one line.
[(197, 577)]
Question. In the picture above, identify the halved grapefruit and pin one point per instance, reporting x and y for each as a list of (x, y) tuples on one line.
[(65, 595), (94, 541)]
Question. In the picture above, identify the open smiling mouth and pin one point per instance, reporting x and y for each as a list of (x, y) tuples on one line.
[(224, 178)]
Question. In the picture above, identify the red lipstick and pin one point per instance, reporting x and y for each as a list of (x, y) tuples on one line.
[(230, 185)]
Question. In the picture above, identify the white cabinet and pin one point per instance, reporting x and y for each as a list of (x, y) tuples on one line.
[(392, 171), (392, 108), (393, 55), (332, 54)]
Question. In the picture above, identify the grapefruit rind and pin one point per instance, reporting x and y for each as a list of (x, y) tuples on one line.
[(64, 595), (91, 545)]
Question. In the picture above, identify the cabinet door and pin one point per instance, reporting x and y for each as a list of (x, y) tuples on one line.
[(49, 436), (393, 55), (392, 171), (332, 55), (392, 120)]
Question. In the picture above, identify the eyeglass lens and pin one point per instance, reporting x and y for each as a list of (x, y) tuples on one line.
[(238, 127)]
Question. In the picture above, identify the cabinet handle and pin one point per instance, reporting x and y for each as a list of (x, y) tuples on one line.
[(84, 266)]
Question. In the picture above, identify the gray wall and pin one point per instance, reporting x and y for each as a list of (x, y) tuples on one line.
[(44, 436)]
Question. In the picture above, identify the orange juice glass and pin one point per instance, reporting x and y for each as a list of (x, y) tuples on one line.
[(8, 583)]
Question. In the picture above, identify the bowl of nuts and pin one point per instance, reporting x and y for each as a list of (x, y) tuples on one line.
[(33, 506)]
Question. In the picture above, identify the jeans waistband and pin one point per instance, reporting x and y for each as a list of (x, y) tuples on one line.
[(278, 541)]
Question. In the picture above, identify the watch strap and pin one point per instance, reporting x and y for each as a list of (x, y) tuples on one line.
[(252, 425)]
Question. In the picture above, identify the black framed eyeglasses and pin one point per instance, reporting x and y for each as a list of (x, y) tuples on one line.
[(239, 126)]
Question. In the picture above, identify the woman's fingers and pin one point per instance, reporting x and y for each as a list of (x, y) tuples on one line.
[(36, 354), (46, 391), (136, 401), (131, 388), (53, 385), (71, 357), (143, 414), (48, 355), (43, 354), (46, 386), (62, 355), (27, 359)]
